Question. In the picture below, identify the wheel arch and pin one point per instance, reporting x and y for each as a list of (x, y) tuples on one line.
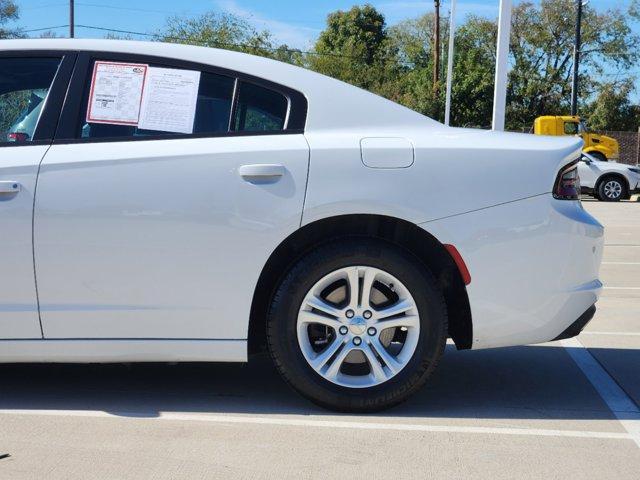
[(402, 233), (604, 176), (606, 153)]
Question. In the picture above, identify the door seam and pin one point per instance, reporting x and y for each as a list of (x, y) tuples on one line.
[(306, 185), (33, 240)]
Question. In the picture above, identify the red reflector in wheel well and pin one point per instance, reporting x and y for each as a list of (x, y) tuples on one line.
[(462, 267)]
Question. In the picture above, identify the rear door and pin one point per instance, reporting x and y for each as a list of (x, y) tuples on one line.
[(32, 86), (159, 233)]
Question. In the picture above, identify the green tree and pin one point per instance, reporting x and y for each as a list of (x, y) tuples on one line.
[(542, 56), (49, 34), (286, 54), (612, 109), (355, 48), (8, 12), (358, 47), (219, 31), (412, 42), (474, 64), (473, 73)]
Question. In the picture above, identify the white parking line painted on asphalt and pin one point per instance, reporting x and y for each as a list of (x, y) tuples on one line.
[(310, 422), (620, 334), (616, 399)]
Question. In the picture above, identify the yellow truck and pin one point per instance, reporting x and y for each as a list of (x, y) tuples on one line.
[(599, 146)]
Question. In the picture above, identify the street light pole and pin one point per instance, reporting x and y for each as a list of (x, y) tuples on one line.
[(72, 20), (576, 59), (436, 49), (452, 36), (502, 63)]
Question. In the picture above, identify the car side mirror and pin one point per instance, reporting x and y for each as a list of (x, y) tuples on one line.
[(586, 160)]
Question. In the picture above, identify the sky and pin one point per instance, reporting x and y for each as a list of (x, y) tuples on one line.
[(296, 23)]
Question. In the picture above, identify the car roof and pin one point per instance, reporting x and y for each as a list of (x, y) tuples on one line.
[(332, 103)]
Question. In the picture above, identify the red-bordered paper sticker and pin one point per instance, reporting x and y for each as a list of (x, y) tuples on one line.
[(116, 93)]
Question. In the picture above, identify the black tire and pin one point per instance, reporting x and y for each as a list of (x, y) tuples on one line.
[(604, 189), (599, 156), (282, 336)]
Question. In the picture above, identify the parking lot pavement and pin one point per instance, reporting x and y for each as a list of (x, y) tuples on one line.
[(560, 410)]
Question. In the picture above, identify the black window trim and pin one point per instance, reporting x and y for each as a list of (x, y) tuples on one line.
[(68, 127), (49, 117)]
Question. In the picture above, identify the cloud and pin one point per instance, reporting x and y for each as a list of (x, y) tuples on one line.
[(295, 36), (303, 37)]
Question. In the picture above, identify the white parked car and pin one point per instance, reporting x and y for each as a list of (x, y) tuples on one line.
[(177, 203), (608, 181)]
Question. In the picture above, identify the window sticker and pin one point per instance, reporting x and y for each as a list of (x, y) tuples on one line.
[(169, 100), (116, 93)]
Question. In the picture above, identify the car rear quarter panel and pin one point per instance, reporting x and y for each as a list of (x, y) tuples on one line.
[(534, 267), (455, 171)]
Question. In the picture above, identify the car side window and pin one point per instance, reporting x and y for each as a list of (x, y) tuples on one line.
[(260, 109), (212, 112), (570, 128), (24, 86)]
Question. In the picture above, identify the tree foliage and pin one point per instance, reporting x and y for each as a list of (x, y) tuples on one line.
[(217, 30), (8, 12), (542, 56), (612, 110), (358, 47), (412, 42), (355, 48)]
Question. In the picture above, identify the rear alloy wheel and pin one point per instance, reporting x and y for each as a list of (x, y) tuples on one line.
[(362, 344), (611, 189), (357, 325)]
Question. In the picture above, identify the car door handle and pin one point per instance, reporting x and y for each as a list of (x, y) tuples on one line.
[(9, 188), (261, 171)]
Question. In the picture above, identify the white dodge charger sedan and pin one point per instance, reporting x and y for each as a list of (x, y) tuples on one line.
[(165, 203)]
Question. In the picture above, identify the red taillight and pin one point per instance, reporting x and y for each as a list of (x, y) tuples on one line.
[(567, 185), (17, 137)]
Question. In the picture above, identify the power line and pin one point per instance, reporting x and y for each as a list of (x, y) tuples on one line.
[(44, 29), (615, 74), (216, 43), (182, 39), (233, 45)]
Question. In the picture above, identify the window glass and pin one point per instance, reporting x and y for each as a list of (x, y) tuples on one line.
[(260, 109), (570, 128), (212, 114), (24, 85)]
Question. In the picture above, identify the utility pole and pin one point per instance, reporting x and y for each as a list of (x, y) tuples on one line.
[(72, 20), (436, 49), (576, 59), (452, 37), (502, 65)]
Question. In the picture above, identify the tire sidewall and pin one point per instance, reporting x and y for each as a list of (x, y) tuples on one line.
[(307, 272), (602, 195)]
